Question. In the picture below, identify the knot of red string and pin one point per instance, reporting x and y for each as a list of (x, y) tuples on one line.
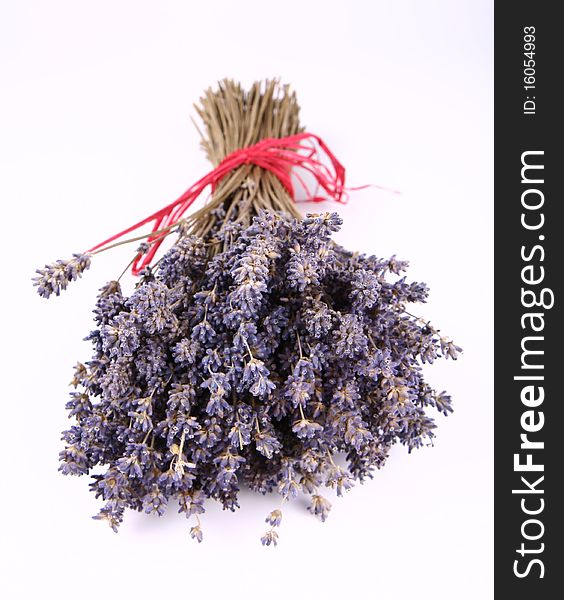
[(284, 157)]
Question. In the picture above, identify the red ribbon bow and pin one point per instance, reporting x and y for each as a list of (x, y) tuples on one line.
[(278, 155)]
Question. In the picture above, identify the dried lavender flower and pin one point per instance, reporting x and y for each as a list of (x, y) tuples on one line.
[(55, 277), (274, 518), (270, 537), (180, 401)]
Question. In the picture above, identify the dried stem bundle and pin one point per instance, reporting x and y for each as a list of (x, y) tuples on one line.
[(233, 119)]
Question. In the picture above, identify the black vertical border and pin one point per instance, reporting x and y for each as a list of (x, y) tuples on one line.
[(516, 133)]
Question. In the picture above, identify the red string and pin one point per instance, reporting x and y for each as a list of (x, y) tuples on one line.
[(277, 155)]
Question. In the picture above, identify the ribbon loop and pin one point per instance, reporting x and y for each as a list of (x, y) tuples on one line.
[(280, 156)]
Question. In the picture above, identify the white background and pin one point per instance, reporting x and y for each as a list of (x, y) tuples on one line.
[(95, 134)]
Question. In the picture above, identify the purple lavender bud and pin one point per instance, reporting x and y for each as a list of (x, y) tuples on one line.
[(270, 537), (274, 518), (320, 506)]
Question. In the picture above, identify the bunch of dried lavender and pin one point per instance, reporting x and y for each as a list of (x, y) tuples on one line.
[(253, 352)]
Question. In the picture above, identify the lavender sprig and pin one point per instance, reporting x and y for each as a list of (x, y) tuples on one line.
[(55, 277)]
